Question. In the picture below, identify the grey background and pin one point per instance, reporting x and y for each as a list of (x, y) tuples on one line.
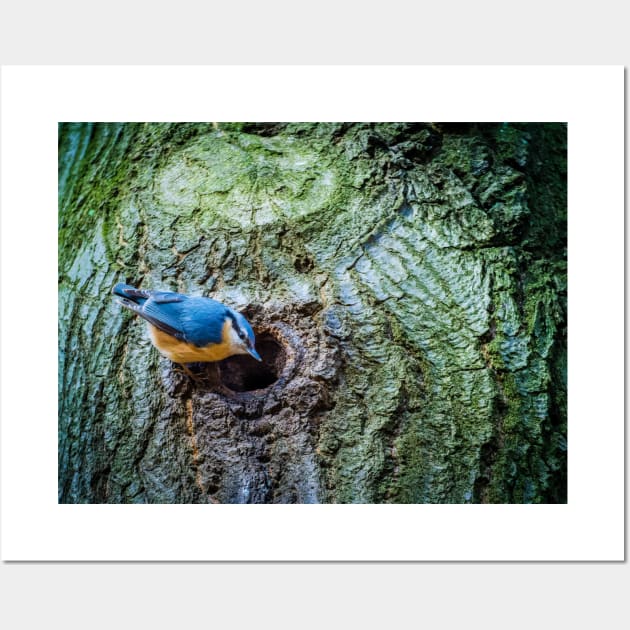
[(542, 595)]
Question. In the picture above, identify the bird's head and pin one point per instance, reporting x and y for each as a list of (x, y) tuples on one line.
[(241, 335)]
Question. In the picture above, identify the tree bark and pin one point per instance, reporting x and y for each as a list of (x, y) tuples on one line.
[(407, 284)]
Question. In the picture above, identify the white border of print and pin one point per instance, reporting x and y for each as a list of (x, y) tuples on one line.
[(36, 527)]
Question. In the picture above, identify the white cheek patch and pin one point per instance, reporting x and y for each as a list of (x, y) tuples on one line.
[(234, 338), (236, 342)]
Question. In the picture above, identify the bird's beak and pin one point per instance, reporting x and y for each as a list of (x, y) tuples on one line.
[(253, 352)]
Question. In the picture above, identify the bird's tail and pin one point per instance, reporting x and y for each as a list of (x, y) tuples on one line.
[(127, 292)]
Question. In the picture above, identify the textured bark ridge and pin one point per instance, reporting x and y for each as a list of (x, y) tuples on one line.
[(406, 282)]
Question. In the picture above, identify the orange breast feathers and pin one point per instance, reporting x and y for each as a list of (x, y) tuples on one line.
[(183, 352)]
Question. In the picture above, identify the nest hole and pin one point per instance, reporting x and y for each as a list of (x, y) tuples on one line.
[(242, 373)]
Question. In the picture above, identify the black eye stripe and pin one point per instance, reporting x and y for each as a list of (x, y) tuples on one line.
[(242, 334)]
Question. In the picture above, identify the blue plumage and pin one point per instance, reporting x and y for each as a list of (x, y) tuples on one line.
[(190, 328)]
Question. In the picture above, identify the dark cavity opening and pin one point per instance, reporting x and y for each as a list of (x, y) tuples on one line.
[(242, 373)]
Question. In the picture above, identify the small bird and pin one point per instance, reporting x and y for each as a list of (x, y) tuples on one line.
[(189, 329)]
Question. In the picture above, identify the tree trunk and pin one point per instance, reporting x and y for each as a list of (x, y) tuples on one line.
[(407, 285)]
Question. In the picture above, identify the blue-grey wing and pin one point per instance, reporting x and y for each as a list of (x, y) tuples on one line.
[(166, 319), (139, 296), (166, 297), (203, 319), (196, 320)]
